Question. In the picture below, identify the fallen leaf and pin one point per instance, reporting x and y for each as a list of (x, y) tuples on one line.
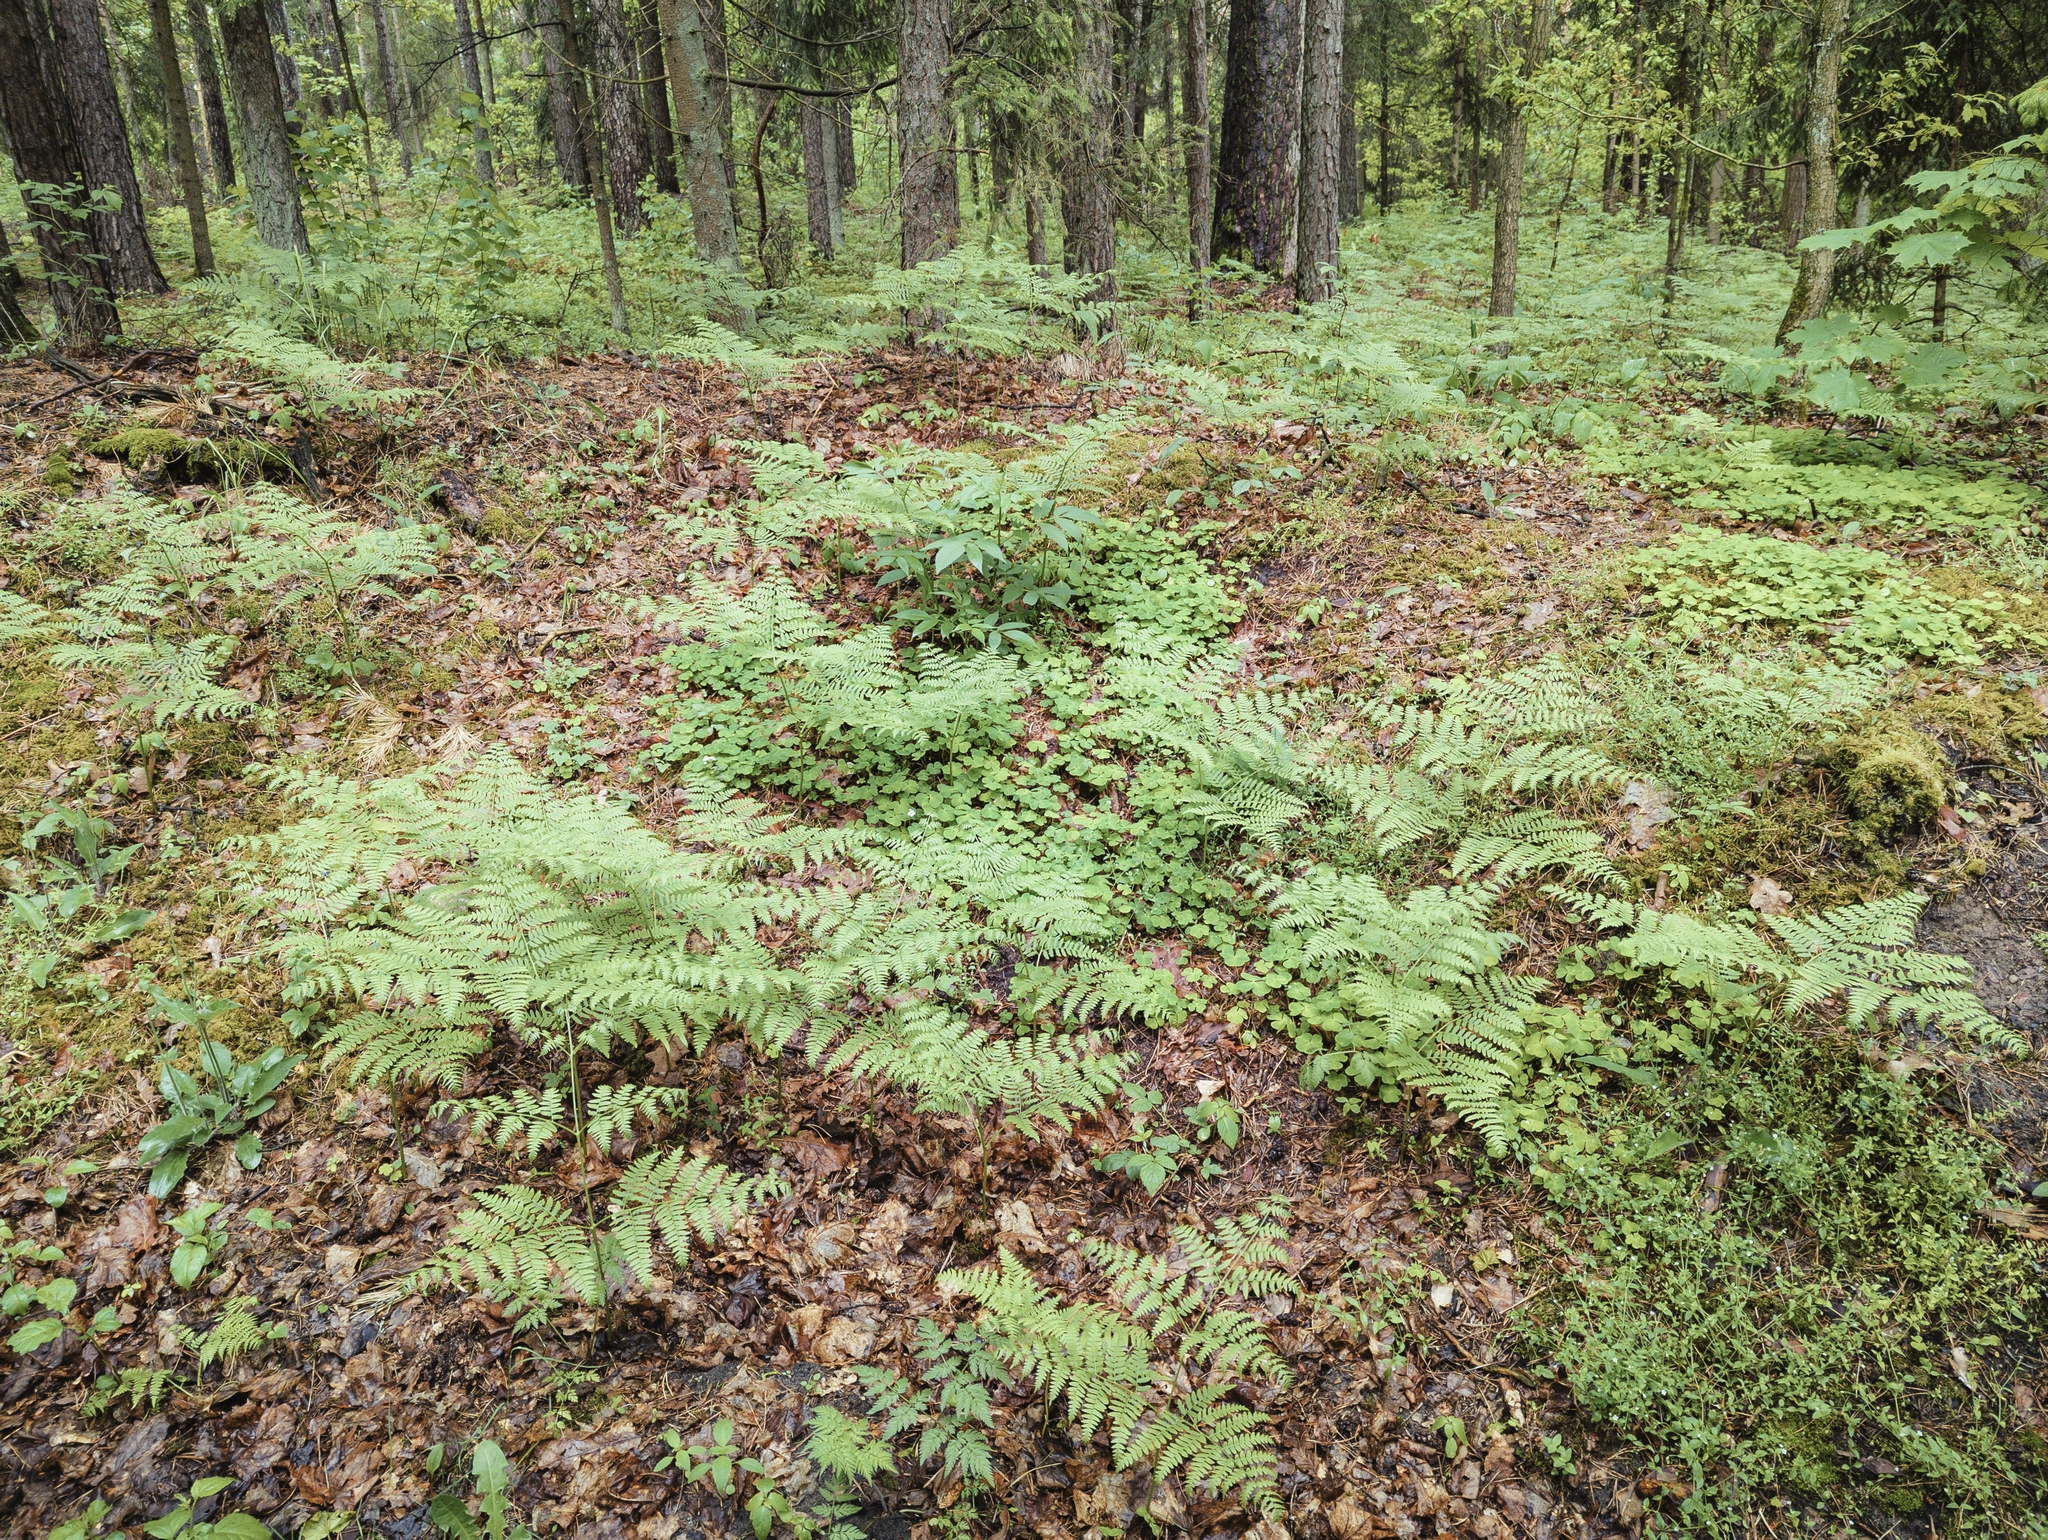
[(1766, 897), (1349, 1519), (1538, 615), (1016, 1227), (844, 1341), (1652, 809), (814, 1154), (1442, 1295), (423, 1170), (340, 1261), (1950, 825)]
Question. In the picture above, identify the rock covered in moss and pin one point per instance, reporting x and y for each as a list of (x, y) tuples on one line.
[(1892, 780), (140, 446)]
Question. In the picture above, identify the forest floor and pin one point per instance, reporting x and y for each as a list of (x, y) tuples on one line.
[(346, 1414)]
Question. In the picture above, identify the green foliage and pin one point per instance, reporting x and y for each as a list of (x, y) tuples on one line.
[(238, 1095), (183, 1523), (1861, 604), (235, 1333)]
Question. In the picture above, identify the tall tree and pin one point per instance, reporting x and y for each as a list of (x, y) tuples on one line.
[(1255, 154), (266, 140), (1514, 150), (820, 135), (711, 17), (473, 79), (119, 232), (213, 105), (51, 175), (1817, 267), (183, 155), (1194, 111), (1087, 161), (616, 63), (394, 99), (567, 137), (287, 67), (1350, 191), (698, 139), (654, 83), (929, 189), (592, 134), (1322, 77)]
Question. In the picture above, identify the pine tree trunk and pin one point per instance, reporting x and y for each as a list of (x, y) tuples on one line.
[(685, 46), (1256, 153), (44, 146), (1194, 111), (591, 135), (849, 170), (1137, 74), (183, 154), (1034, 229), (473, 80), (266, 142), (483, 58), (929, 187), (821, 173), (718, 56), (661, 131), (327, 47), (1350, 184), (1817, 268), (287, 67), (15, 328), (394, 100), (615, 60), (1322, 75), (120, 234), (568, 140), (1088, 167), (1514, 148), (220, 146), (1475, 115)]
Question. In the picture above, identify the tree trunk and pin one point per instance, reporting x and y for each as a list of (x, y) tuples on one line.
[(1514, 148), (1383, 186), (1194, 111), (473, 81), (213, 105), (711, 19), (44, 146), (849, 170), (1457, 114), (697, 135), (15, 330), (394, 100), (1255, 158), (1686, 96), (183, 155), (327, 49), (1088, 166), (1475, 114), (1138, 74), (1717, 176), (821, 173), (280, 26), (929, 188), (1817, 268), (616, 62), (1034, 228), (266, 143), (1322, 75), (591, 134), (661, 123), (354, 94), (1350, 181), (120, 234), (567, 138), (483, 58)]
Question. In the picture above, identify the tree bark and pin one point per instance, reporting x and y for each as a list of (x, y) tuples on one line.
[(929, 186), (90, 101), (183, 155), (1194, 111), (616, 62), (1817, 268), (1350, 183), (1514, 149), (15, 328), (591, 133), (213, 105), (661, 127), (280, 26), (266, 142), (483, 58), (697, 134), (44, 147), (394, 100), (711, 19), (1087, 169), (849, 170), (473, 80), (1322, 75), (1034, 229), (568, 140), (1256, 154), (1137, 75), (821, 174)]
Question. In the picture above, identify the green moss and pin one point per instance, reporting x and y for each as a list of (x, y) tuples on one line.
[(1892, 779), (1993, 722), (58, 473), (139, 446)]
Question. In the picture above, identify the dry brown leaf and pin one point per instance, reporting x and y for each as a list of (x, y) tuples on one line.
[(1766, 897)]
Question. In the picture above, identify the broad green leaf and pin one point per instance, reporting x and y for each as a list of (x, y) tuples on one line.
[(187, 1263), (122, 925), (249, 1151), (170, 1524), (451, 1517), (208, 1486), (1931, 248), (35, 1334), (238, 1526), (1836, 390), (1928, 367), (58, 1294), (216, 1060), (166, 1174), (174, 1133)]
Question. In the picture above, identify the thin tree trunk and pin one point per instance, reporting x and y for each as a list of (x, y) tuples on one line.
[(280, 26), (1256, 155), (1383, 184), (1089, 165), (1350, 182), (697, 133), (1514, 148), (183, 155), (1717, 175), (821, 173), (1194, 111), (616, 63), (89, 99), (1475, 173), (849, 170), (1817, 268), (1137, 75), (483, 58), (44, 147), (930, 184), (711, 16), (592, 137), (1692, 18), (1322, 75), (394, 102), (355, 94), (1034, 228), (1457, 114), (327, 49), (213, 110), (654, 85), (473, 79), (568, 141), (266, 142)]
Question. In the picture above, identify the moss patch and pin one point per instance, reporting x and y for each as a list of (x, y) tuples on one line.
[(1892, 779), (220, 456)]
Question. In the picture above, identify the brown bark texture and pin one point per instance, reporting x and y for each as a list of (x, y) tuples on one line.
[(1322, 75), (1817, 268), (820, 134), (94, 109), (1087, 166), (661, 131), (1514, 149), (213, 105), (473, 81), (685, 45), (1256, 152), (394, 99), (929, 187), (267, 168), (1194, 111), (184, 156), (617, 64)]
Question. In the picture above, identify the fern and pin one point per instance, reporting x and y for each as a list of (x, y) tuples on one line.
[(142, 1387), (234, 1334)]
